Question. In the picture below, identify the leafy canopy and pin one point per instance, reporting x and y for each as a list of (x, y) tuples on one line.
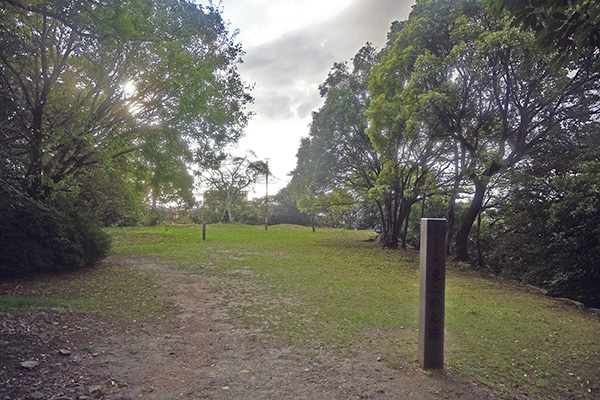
[(137, 85)]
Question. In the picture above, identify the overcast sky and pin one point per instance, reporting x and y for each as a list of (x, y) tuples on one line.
[(290, 47)]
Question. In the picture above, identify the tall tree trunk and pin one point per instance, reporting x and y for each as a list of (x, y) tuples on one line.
[(381, 221), (462, 236), (396, 224), (395, 234), (227, 214), (405, 231), (386, 223), (36, 154), (480, 260), (405, 218), (459, 166), (34, 172)]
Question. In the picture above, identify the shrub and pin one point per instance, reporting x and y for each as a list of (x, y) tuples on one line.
[(549, 234), (40, 237)]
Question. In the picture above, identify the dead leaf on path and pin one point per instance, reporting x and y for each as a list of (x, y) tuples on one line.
[(245, 371), (29, 364)]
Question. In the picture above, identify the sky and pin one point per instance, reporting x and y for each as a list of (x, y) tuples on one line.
[(290, 46)]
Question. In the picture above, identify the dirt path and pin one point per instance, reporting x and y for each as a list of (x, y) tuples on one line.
[(204, 355)]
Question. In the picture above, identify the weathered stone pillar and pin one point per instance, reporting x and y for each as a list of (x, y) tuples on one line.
[(432, 293)]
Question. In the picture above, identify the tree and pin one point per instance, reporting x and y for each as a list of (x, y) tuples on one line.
[(112, 97), (338, 152), (413, 158), (566, 28), (484, 89), (528, 102), (229, 179), (114, 85), (326, 204), (283, 208), (547, 233)]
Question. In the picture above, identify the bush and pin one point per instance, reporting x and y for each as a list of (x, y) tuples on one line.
[(549, 234), (38, 237)]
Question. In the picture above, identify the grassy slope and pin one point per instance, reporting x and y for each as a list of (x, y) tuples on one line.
[(332, 289), (335, 289)]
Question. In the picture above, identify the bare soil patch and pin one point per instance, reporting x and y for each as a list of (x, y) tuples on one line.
[(199, 353)]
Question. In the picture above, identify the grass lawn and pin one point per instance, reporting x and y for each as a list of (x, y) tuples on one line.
[(333, 289)]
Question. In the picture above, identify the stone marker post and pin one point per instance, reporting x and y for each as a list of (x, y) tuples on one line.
[(432, 293), (203, 232)]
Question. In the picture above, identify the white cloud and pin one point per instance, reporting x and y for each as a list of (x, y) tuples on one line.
[(290, 47), (304, 56), (261, 21)]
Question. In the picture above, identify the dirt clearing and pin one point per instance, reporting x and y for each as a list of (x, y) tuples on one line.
[(200, 353)]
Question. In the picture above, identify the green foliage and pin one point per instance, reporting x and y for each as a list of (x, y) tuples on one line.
[(480, 91), (117, 198), (567, 29), (333, 209), (129, 86), (228, 180), (548, 232), (106, 104), (368, 154), (338, 152), (283, 208), (38, 237), (450, 114)]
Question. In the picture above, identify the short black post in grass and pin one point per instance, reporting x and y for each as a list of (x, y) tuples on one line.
[(432, 293), (203, 231)]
